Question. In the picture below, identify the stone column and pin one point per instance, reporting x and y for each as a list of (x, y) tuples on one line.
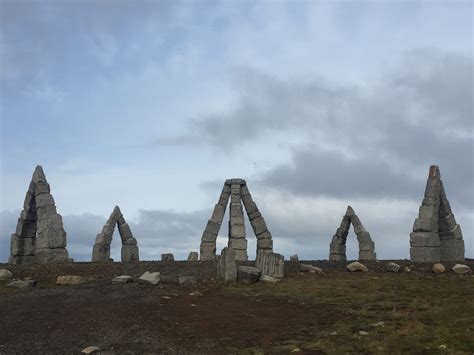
[(237, 239), (226, 266), (337, 248), (271, 264)]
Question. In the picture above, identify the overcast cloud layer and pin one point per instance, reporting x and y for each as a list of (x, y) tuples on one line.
[(152, 105)]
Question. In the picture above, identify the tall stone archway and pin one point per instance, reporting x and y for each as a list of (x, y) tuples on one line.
[(101, 251), (337, 249), (39, 236), (237, 191)]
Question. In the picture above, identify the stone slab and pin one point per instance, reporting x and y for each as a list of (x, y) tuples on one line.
[(424, 239)]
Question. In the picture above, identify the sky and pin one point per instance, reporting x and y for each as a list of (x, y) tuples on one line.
[(151, 105)]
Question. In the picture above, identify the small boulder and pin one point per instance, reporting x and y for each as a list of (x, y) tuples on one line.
[(90, 350), (356, 266), (294, 258), (5, 274), (310, 268), (393, 267), (364, 333), (23, 285), (167, 257), (461, 269), (150, 278), (187, 280), (247, 274), (268, 279), (71, 280), (193, 256), (122, 279), (438, 268)]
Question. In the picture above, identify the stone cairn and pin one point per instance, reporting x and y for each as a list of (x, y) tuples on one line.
[(337, 250), (238, 192), (436, 236), (101, 251), (39, 236)]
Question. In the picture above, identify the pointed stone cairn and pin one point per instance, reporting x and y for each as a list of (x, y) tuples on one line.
[(101, 251), (39, 236), (436, 236), (238, 192), (337, 249)]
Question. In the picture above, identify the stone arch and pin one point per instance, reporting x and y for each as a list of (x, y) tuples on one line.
[(39, 235), (101, 250), (337, 250), (237, 191)]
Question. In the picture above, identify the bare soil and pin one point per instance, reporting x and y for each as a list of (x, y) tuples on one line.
[(308, 313)]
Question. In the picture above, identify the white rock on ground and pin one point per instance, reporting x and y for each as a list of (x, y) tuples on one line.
[(90, 350), (122, 279), (356, 266), (438, 268), (26, 284), (72, 280), (461, 269), (151, 278), (310, 268), (268, 279), (393, 267), (5, 274)]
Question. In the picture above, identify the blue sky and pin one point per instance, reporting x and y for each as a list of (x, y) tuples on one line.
[(151, 105)]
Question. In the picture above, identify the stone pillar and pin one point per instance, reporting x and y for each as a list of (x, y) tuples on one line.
[(337, 248), (271, 264), (209, 236), (237, 239), (227, 266), (264, 237)]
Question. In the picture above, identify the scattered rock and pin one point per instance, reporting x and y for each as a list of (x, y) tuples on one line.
[(296, 350), (356, 266), (294, 258), (393, 267), (361, 332), (166, 297), (310, 268), (438, 268), (193, 256), (334, 333), (123, 279), (5, 274), (378, 324), (150, 278), (23, 285), (187, 280), (247, 274), (407, 269), (71, 280), (167, 257), (268, 279), (90, 350), (461, 269)]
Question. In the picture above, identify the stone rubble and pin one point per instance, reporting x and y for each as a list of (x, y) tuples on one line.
[(226, 266), (72, 280), (393, 267), (356, 266), (101, 250), (268, 279), (22, 284), (310, 268), (436, 236), (461, 269), (122, 279), (150, 278), (270, 264), (237, 191), (39, 235), (5, 274), (337, 249), (247, 274)]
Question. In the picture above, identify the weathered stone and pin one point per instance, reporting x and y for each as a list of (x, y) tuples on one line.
[(250, 207), (226, 266), (438, 268), (359, 228), (193, 256), (235, 181), (208, 237), (129, 253), (350, 212), (310, 268), (355, 221), (393, 267), (212, 227), (44, 200), (367, 246), (271, 264), (167, 257), (367, 255), (235, 190), (124, 231), (22, 260), (22, 246), (247, 274), (208, 251), (101, 253), (342, 233), (337, 257), (424, 254), (72, 280), (268, 279), (218, 214), (424, 239), (254, 215), (23, 285), (5, 274), (259, 226), (237, 243), (451, 250), (461, 269), (130, 241), (364, 237), (150, 278), (187, 280), (51, 239), (433, 188), (91, 350), (236, 231), (264, 244), (425, 225), (49, 256), (356, 266), (446, 223), (123, 279), (294, 258), (265, 235), (241, 255)]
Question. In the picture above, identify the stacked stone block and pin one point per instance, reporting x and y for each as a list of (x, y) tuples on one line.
[(436, 236), (270, 264), (337, 249), (39, 235), (227, 266), (101, 250), (237, 191)]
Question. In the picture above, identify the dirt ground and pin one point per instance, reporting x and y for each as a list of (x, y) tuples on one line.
[(307, 313)]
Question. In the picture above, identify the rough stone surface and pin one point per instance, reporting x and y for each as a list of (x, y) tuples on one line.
[(268, 279), (91, 350), (247, 274), (5, 274), (122, 279), (438, 268), (71, 280), (436, 235), (393, 267), (356, 266), (103, 240), (208, 251), (193, 256), (39, 227), (187, 280), (461, 269), (167, 257), (310, 268), (294, 258), (23, 285), (271, 264), (226, 266), (150, 278)]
